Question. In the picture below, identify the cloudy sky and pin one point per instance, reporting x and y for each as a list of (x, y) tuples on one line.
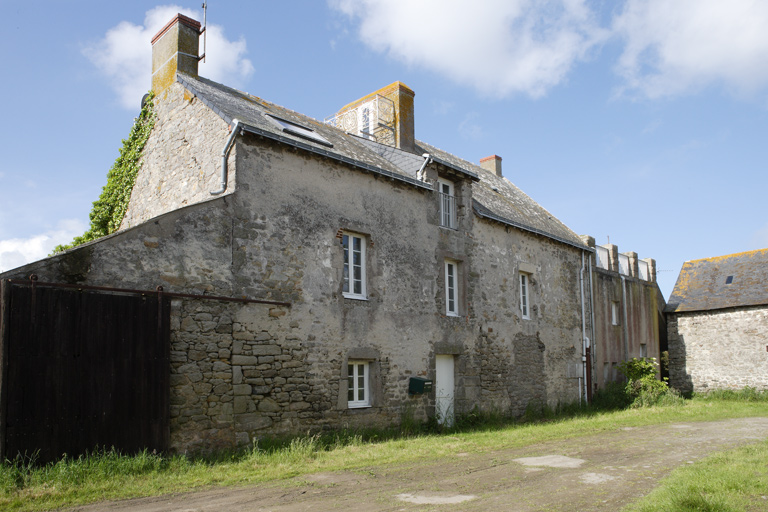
[(639, 122)]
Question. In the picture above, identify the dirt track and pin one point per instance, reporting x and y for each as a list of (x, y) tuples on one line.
[(598, 472)]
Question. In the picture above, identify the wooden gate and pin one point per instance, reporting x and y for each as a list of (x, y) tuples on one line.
[(82, 369)]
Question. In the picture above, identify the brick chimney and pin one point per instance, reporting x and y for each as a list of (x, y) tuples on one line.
[(492, 163), (402, 97), (174, 49)]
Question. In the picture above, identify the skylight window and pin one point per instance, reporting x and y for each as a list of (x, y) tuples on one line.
[(729, 280), (299, 131)]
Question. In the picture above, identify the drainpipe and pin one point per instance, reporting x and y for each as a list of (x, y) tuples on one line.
[(427, 160), (590, 349), (225, 157), (583, 333), (625, 327)]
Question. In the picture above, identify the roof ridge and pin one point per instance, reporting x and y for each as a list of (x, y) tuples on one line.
[(725, 256)]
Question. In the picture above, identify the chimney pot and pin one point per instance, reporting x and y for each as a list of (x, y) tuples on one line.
[(175, 49), (492, 163)]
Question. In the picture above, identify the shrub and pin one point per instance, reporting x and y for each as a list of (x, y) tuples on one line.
[(643, 389)]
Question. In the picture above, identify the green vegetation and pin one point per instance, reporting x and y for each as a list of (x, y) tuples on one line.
[(643, 389), (732, 481), (108, 475), (109, 209)]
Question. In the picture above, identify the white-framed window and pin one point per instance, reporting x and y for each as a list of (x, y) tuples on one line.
[(451, 288), (447, 204), (614, 313), (354, 265), (358, 384), (366, 119), (525, 298)]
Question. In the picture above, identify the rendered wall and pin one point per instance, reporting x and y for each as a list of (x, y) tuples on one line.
[(639, 305), (723, 349)]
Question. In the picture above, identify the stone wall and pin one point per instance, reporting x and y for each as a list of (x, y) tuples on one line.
[(243, 371), (724, 349), (181, 164)]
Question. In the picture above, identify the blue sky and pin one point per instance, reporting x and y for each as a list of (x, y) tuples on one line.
[(642, 122)]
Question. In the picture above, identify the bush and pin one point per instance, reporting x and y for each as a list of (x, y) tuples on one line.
[(643, 389)]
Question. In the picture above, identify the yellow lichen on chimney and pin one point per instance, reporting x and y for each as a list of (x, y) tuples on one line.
[(174, 49), (402, 97)]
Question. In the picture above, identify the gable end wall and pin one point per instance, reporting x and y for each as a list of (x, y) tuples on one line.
[(182, 159), (723, 349)]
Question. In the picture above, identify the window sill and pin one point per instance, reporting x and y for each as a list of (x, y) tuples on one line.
[(354, 297), (364, 406)]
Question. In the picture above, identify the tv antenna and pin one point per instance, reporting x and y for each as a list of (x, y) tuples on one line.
[(202, 31)]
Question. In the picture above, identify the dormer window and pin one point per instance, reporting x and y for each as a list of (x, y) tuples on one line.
[(447, 204)]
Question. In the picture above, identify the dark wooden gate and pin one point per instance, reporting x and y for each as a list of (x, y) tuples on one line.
[(82, 369)]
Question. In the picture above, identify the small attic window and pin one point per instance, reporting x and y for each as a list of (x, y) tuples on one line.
[(729, 280), (299, 131)]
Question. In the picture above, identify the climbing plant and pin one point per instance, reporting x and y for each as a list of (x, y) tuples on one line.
[(109, 209)]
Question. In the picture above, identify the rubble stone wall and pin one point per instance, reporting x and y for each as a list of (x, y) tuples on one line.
[(181, 164), (725, 349)]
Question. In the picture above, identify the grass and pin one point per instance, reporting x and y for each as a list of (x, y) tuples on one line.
[(732, 481), (108, 475)]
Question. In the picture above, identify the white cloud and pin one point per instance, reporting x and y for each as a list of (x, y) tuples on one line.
[(16, 252), (124, 55), (678, 47), (499, 47)]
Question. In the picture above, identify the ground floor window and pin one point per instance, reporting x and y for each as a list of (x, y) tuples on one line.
[(358, 384)]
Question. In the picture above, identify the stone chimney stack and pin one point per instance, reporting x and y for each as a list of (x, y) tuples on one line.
[(492, 163), (402, 99), (175, 49)]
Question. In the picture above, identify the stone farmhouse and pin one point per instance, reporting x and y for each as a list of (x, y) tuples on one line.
[(343, 273), (718, 323)]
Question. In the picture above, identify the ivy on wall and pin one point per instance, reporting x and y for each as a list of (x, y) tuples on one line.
[(109, 209)]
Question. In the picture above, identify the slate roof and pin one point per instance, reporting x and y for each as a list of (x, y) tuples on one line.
[(494, 198), (497, 199), (735, 280)]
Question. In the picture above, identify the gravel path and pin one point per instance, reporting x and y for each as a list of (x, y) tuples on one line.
[(601, 472)]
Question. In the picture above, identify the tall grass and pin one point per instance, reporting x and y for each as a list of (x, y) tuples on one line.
[(106, 474)]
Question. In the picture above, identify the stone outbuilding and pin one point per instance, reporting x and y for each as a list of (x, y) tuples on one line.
[(335, 274), (717, 318)]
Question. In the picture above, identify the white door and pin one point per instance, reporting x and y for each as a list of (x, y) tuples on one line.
[(444, 389)]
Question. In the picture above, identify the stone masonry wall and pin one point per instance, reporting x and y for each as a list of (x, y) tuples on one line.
[(182, 159), (243, 371), (238, 372), (725, 349)]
